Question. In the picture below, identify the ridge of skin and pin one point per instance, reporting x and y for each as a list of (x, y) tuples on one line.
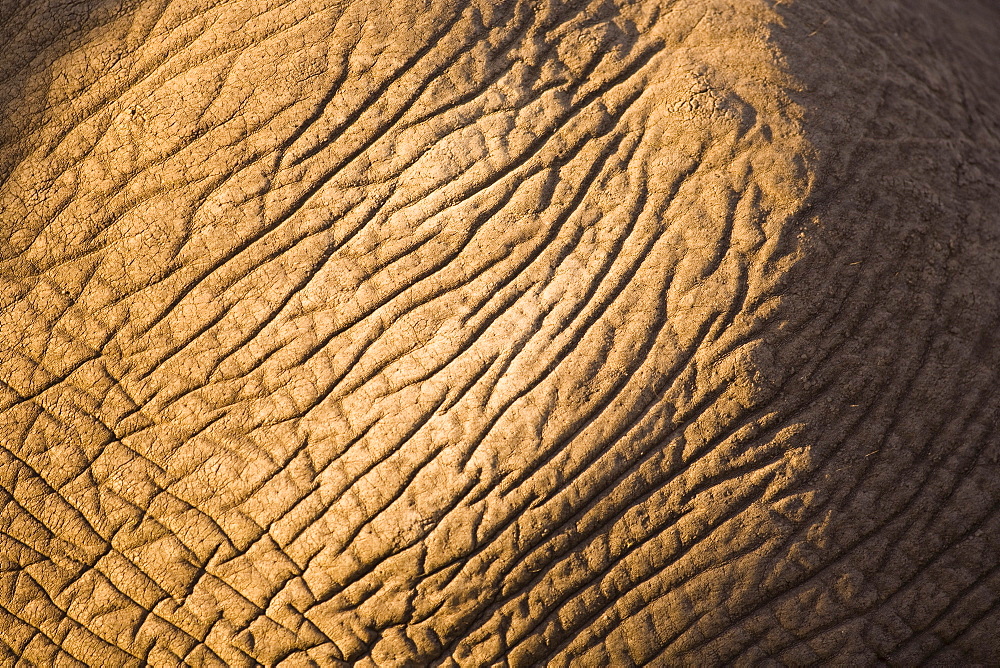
[(493, 334)]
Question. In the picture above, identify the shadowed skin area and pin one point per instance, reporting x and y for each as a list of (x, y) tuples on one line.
[(499, 333)]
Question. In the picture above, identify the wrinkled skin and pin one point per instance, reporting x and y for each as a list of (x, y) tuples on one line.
[(514, 333)]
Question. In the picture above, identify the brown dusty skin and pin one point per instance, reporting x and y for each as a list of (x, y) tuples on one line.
[(499, 333)]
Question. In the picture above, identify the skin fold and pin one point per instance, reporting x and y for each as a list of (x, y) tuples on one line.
[(499, 333)]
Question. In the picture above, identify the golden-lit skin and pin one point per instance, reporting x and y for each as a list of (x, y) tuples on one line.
[(612, 333)]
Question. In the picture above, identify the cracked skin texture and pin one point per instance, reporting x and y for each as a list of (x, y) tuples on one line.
[(499, 333)]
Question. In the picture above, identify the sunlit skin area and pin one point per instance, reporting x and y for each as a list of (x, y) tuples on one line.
[(499, 332)]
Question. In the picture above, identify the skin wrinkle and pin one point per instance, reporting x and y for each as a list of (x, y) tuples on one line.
[(518, 333)]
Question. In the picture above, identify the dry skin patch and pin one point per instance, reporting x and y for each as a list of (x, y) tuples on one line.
[(524, 332)]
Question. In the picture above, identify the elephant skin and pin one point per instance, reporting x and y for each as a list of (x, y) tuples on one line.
[(529, 332)]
